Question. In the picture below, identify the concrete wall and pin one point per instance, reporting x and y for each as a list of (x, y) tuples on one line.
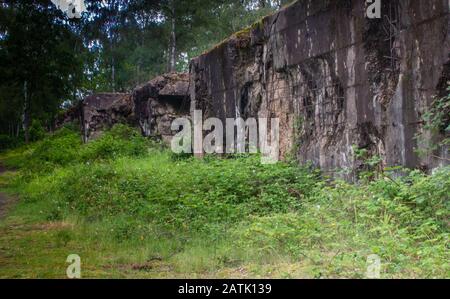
[(334, 78)]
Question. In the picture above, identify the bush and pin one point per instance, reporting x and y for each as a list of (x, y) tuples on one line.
[(58, 149), (8, 142), (37, 132), (65, 147), (132, 188), (189, 193), (120, 141)]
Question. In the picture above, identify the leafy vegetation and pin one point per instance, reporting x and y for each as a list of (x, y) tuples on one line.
[(436, 122), (130, 208), (115, 46)]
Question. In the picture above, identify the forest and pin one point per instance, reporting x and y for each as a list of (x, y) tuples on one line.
[(360, 191), (116, 46)]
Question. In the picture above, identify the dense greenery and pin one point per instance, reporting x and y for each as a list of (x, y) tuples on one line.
[(131, 208), (49, 61), (138, 203), (40, 65), (436, 123)]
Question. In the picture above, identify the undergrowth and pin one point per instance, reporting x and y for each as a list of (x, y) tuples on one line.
[(203, 216)]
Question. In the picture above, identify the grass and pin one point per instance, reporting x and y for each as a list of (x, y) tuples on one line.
[(131, 209)]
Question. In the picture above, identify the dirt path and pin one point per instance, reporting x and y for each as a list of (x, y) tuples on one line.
[(5, 200)]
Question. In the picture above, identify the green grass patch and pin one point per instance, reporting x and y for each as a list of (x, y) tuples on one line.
[(130, 208)]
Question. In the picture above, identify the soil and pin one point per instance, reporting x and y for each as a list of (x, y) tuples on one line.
[(5, 199)]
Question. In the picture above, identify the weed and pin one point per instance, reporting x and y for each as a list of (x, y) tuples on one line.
[(136, 207)]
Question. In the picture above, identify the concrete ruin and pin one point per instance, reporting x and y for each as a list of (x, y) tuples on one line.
[(102, 111), (335, 79), (159, 102), (152, 106)]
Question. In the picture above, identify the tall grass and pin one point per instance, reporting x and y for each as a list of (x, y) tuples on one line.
[(216, 213)]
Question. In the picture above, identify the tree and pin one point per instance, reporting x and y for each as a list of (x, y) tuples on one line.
[(50, 61), (40, 68), (173, 38)]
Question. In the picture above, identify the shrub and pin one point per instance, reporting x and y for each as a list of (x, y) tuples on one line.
[(130, 189), (37, 132), (189, 193), (120, 141), (8, 142), (65, 147), (58, 149)]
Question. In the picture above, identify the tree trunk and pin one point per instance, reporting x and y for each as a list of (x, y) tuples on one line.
[(26, 112), (113, 75), (173, 40)]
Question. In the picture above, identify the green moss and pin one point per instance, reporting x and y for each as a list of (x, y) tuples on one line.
[(242, 34)]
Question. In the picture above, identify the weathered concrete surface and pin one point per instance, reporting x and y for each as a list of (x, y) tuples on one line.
[(334, 78), (152, 106), (102, 111), (71, 115), (159, 102)]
